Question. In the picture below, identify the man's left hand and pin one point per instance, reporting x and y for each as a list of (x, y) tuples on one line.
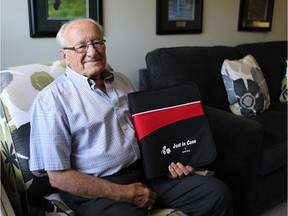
[(178, 170)]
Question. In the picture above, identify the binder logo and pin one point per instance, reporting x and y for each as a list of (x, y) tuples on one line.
[(184, 146), (165, 150)]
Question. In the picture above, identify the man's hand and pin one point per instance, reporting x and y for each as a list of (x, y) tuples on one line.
[(139, 195), (88, 186), (178, 170)]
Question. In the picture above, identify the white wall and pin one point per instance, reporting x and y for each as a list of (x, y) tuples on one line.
[(130, 32)]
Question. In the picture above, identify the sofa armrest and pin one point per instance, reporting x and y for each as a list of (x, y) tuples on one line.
[(238, 143)]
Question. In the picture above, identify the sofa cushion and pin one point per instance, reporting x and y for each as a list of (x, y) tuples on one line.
[(278, 106), (274, 146), (20, 86), (271, 57), (201, 65), (284, 90), (245, 85)]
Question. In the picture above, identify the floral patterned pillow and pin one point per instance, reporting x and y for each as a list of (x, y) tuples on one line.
[(284, 89), (246, 86)]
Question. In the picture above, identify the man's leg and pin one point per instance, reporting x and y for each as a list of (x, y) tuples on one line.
[(92, 207), (194, 195)]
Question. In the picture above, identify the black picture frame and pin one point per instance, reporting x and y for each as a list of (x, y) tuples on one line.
[(173, 18), (41, 26), (255, 15)]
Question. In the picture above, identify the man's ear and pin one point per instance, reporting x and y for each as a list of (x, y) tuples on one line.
[(63, 54)]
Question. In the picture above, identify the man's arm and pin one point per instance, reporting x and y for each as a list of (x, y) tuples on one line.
[(88, 186)]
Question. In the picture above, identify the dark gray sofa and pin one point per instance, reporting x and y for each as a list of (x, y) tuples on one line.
[(251, 151)]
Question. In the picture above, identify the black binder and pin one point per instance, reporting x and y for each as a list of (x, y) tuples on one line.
[(171, 126)]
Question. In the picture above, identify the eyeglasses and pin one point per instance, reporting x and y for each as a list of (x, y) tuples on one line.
[(82, 48)]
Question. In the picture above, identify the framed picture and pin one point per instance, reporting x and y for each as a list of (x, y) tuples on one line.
[(179, 16), (47, 16), (255, 15)]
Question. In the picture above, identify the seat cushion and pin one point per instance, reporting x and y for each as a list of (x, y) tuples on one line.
[(274, 147), (164, 212)]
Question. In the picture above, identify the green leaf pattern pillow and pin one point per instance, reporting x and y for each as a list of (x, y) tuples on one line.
[(284, 89), (18, 89), (245, 86)]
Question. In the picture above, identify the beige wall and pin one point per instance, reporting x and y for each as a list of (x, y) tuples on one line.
[(130, 32)]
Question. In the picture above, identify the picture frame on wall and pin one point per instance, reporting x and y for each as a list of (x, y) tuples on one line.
[(179, 16), (47, 16), (255, 15)]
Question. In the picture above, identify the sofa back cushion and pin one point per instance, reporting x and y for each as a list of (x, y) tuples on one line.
[(271, 57), (202, 65), (19, 87), (284, 86)]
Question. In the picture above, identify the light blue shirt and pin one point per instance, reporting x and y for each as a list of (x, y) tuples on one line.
[(76, 125)]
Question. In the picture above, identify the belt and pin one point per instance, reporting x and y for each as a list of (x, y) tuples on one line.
[(130, 174), (136, 166)]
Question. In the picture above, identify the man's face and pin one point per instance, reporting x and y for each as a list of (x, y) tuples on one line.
[(90, 63)]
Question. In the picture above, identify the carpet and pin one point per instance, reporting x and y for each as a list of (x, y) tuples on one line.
[(279, 210)]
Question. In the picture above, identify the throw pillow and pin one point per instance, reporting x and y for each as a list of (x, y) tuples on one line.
[(284, 89), (246, 86)]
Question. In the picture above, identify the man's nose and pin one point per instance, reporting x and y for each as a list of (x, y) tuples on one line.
[(90, 49)]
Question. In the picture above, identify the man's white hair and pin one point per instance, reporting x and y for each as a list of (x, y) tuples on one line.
[(60, 35)]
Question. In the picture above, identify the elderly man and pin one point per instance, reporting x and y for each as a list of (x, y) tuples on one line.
[(82, 135)]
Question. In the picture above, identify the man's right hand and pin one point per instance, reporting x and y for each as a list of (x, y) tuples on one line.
[(139, 195), (88, 186)]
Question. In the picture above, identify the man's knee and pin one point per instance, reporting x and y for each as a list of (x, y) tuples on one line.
[(219, 199)]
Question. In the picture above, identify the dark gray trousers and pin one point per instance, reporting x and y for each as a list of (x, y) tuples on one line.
[(193, 195)]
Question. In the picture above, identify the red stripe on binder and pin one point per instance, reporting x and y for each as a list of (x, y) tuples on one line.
[(149, 121)]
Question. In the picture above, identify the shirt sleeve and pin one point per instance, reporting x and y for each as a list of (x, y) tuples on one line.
[(50, 140)]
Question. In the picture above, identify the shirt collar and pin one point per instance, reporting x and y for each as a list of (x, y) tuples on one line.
[(84, 81)]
